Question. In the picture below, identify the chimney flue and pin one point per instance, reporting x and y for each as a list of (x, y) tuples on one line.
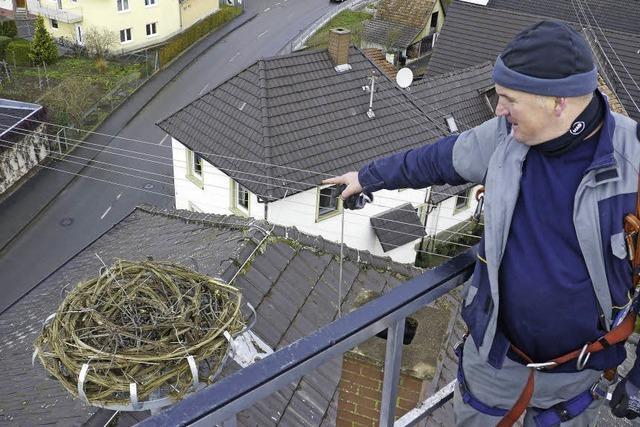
[(339, 41)]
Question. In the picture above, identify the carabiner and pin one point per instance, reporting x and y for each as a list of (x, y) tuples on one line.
[(583, 358)]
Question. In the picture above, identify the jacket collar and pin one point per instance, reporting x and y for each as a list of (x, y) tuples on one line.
[(603, 156)]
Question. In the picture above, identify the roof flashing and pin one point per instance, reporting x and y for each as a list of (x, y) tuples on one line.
[(342, 68)]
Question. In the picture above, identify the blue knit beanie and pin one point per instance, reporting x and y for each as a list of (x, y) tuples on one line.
[(549, 58)]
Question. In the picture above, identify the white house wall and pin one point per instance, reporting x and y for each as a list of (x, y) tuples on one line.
[(444, 215), (214, 197)]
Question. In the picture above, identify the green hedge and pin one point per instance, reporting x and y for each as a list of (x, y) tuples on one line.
[(4, 42), (8, 29), (182, 41), (18, 51)]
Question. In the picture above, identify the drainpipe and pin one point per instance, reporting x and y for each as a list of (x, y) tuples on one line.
[(266, 211)]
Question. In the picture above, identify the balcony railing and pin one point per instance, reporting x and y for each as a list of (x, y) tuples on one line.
[(219, 403), (70, 15)]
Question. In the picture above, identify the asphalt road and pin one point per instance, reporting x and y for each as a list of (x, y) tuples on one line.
[(91, 205)]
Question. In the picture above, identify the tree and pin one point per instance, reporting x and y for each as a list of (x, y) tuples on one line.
[(43, 49), (99, 40)]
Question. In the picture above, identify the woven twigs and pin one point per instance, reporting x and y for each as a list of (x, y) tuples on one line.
[(138, 322)]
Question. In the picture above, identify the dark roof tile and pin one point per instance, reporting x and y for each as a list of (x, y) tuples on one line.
[(397, 227)]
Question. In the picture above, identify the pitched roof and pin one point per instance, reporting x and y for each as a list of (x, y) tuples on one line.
[(389, 34), (414, 13), (378, 57), (397, 227), (474, 34), (292, 283), (620, 15), (302, 119), (459, 93), (440, 193)]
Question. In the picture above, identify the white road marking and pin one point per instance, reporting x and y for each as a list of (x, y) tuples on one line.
[(266, 10), (106, 212), (262, 33), (118, 196), (234, 57), (277, 4), (204, 88), (163, 139)]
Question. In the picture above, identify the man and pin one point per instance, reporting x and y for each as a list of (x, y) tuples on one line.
[(560, 172)]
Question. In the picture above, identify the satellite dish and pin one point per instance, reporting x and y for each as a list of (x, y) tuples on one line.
[(404, 78)]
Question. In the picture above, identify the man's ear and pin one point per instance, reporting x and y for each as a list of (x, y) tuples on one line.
[(560, 104)]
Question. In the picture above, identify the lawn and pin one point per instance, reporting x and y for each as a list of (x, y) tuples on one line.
[(68, 79), (349, 19)]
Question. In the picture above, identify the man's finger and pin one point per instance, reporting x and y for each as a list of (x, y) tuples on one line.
[(334, 180)]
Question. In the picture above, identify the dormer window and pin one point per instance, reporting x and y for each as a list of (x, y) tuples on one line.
[(491, 98), (329, 202)]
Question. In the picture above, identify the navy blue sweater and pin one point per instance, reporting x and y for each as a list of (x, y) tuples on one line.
[(544, 282)]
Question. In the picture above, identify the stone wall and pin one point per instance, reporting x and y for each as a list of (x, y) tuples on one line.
[(21, 155)]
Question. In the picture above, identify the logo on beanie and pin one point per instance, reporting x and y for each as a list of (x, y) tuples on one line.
[(577, 128)]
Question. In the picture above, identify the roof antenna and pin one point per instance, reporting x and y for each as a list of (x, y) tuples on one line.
[(371, 89)]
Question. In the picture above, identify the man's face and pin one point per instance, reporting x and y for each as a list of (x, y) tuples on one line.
[(530, 115)]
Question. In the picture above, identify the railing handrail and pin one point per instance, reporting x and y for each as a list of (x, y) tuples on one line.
[(240, 390)]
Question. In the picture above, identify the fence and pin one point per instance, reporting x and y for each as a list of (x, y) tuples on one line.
[(220, 403)]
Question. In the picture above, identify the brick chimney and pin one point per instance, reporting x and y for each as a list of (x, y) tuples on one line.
[(361, 380), (339, 41)]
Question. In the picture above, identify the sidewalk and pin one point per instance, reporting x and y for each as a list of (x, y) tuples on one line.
[(26, 203)]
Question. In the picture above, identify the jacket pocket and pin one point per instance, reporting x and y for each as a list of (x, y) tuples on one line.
[(619, 245)]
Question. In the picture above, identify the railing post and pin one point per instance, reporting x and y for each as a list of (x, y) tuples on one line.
[(392, 363)]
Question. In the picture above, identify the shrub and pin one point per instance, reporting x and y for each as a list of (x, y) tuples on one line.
[(18, 52), (101, 65), (98, 41), (43, 49), (182, 41), (8, 29), (4, 42)]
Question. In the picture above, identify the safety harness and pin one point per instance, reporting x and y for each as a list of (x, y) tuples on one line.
[(622, 328)]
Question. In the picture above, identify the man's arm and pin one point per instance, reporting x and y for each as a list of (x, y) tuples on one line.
[(415, 168), (452, 160)]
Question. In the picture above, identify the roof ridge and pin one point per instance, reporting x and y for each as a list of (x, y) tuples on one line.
[(456, 72), (266, 136), (290, 233)]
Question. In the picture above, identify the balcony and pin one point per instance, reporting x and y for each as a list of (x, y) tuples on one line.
[(69, 16), (220, 403)]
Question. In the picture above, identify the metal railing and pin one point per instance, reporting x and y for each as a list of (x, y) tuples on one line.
[(219, 403)]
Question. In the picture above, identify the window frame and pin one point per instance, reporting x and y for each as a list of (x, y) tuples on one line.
[(120, 6), (192, 175), (150, 26), (235, 205), (126, 31), (468, 194), (321, 216)]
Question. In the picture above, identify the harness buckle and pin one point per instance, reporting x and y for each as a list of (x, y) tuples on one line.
[(583, 358), (541, 366), (600, 389)]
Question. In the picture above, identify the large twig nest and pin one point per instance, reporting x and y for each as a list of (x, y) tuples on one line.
[(138, 323)]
